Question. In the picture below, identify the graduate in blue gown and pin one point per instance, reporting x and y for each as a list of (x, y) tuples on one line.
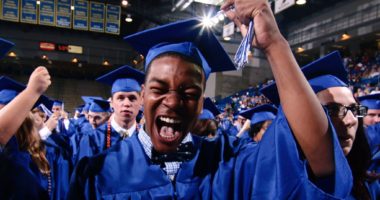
[(24, 174), (165, 161), (260, 119), (372, 101), (125, 102), (328, 78), (99, 113), (206, 125), (65, 126)]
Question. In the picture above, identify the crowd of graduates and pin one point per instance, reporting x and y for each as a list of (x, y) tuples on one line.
[(304, 135)]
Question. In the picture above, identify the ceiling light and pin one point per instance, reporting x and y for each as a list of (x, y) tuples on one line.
[(38, 2), (301, 2), (300, 50), (106, 63), (128, 18), (74, 60), (227, 38), (12, 54), (124, 3), (345, 36), (72, 8)]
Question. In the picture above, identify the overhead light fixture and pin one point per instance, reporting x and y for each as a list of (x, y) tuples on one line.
[(124, 3), (72, 8), (301, 2), (74, 60), (227, 38), (38, 2), (44, 57), (128, 18), (300, 50), (106, 63), (12, 54), (345, 36)]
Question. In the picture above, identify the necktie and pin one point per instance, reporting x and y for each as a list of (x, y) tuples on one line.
[(185, 152)]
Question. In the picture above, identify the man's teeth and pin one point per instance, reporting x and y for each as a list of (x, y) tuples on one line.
[(170, 120)]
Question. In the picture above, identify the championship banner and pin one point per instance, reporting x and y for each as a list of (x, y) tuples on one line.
[(97, 17), (280, 5), (29, 11), (113, 19), (80, 21), (10, 10), (63, 13), (47, 13)]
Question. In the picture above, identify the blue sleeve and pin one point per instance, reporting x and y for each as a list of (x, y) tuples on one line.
[(281, 171)]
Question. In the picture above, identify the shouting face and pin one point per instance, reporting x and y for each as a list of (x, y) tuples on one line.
[(172, 97)]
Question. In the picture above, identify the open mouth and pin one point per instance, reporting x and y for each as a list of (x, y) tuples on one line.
[(169, 129)]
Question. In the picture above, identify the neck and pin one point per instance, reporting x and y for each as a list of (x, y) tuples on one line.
[(124, 124)]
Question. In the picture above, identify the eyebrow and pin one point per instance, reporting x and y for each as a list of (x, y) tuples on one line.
[(161, 82)]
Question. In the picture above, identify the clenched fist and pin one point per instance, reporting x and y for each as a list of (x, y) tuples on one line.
[(39, 80)]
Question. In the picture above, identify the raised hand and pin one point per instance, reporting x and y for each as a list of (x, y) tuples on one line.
[(266, 29), (39, 80)]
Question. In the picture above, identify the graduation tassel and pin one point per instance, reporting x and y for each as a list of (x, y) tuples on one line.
[(241, 56)]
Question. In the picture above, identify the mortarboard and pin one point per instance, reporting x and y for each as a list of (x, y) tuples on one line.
[(321, 74), (88, 100), (209, 110), (79, 108), (5, 46), (123, 79), (57, 103), (188, 38), (10, 88), (372, 101), (260, 113), (100, 105)]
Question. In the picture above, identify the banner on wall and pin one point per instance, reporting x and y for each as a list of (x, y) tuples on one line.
[(10, 10), (47, 13), (97, 17), (80, 15), (29, 11), (113, 13), (63, 13)]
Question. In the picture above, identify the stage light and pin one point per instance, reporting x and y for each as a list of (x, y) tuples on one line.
[(227, 38), (12, 54), (72, 8), (300, 50), (38, 2)]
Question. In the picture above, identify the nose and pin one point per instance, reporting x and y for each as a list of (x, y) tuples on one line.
[(350, 120), (127, 102), (173, 100)]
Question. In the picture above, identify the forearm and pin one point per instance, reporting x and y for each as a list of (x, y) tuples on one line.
[(14, 113), (302, 108)]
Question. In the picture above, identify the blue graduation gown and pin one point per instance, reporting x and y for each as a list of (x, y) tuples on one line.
[(95, 142), (373, 137), (20, 177), (60, 166), (76, 138), (223, 168)]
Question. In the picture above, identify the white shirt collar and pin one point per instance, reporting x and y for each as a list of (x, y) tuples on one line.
[(122, 131)]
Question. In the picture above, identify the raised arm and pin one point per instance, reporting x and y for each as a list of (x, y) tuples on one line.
[(14, 113), (301, 106)]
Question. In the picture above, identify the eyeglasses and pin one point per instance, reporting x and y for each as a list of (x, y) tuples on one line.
[(340, 111)]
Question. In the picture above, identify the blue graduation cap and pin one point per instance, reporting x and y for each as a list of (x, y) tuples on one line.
[(79, 108), (260, 113), (10, 88), (188, 38), (57, 103), (123, 79), (323, 73), (5, 46), (100, 105), (89, 99), (209, 110), (372, 101)]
